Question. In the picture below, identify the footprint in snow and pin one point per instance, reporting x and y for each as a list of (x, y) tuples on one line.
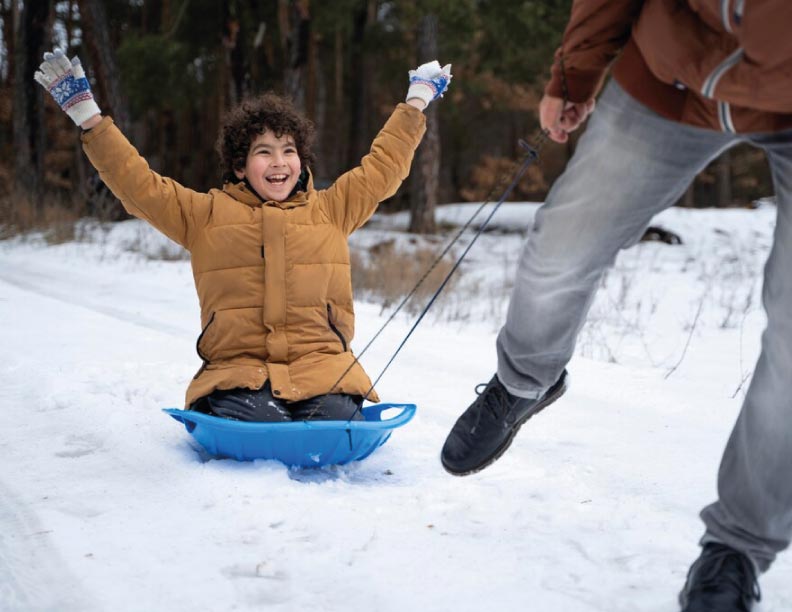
[(80, 446)]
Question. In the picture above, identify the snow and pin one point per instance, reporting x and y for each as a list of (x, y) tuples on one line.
[(105, 503)]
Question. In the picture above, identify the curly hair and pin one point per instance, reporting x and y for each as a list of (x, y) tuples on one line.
[(251, 118)]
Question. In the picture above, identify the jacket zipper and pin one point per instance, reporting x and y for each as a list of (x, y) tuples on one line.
[(334, 328), (725, 118), (726, 15), (198, 347), (708, 88)]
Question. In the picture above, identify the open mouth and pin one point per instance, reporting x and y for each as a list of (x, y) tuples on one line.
[(277, 179)]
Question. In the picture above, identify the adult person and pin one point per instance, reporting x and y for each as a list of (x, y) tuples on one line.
[(691, 78)]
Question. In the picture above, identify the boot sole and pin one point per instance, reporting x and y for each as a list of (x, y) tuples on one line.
[(552, 395)]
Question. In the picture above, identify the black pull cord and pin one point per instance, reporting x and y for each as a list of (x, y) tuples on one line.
[(531, 155)]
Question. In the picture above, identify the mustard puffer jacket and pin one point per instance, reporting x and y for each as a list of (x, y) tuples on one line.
[(273, 278)]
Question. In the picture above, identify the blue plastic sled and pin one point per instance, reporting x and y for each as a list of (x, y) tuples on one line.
[(299, 443)]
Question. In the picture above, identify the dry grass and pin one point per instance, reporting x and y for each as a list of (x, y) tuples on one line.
[(386, 275), (53, 215), (496, 172)]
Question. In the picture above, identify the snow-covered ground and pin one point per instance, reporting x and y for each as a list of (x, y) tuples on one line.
[(106, 505)]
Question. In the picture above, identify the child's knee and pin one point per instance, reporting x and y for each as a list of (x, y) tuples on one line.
[(331, 407)]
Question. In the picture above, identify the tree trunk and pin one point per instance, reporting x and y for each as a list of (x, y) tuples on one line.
[(234, 61), (283, 26), (295, 76), (28, 114), (68, 22), (9, 15), (151, 16), (338, 141), (426, 173), (360, 100), (724, 186), (318, 105), (101, 48), (689, 199), (109, 93)]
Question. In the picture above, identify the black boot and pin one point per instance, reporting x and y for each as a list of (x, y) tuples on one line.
[(722, 579), (485, 430)]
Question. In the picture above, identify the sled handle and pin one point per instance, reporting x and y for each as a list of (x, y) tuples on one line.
[(182, 416), (407, 413)]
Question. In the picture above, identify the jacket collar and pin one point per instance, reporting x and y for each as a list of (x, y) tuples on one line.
[(243, 193)]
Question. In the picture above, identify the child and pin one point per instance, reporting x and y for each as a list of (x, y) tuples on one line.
[(269, 252)]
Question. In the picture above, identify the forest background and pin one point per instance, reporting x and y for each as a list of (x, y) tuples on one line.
[(167, 70)]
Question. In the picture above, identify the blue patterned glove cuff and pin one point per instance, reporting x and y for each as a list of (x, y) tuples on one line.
[(438, 85), (70, 90)]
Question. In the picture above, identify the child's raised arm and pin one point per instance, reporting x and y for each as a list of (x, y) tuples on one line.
[(163, 202), (354, 197)]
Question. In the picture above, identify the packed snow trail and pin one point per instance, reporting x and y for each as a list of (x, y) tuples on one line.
[(108, 505)]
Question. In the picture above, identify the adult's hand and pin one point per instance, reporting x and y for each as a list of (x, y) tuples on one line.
[(560, 118)]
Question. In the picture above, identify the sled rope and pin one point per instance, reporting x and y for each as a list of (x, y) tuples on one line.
[(530, 156)]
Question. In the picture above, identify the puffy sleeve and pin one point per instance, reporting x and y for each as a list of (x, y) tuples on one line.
[(170, 207), (354, 197), (596, 32)]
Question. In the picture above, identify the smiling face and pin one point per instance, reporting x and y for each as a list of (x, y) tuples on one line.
[(272, 167)]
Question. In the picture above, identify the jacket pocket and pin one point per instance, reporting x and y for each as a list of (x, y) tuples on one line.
[(335, 329), (198, 350)]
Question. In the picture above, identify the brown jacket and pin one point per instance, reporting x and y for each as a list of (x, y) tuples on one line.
[(273, 278), (718, 64)]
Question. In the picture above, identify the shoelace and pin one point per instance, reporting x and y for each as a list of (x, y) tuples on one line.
[(712, 577), (495, 399)]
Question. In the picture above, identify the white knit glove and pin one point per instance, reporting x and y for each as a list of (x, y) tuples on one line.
[(66, 82), (428, 82)]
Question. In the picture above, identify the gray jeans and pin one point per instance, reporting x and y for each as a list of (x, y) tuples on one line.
[(629, 165)]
